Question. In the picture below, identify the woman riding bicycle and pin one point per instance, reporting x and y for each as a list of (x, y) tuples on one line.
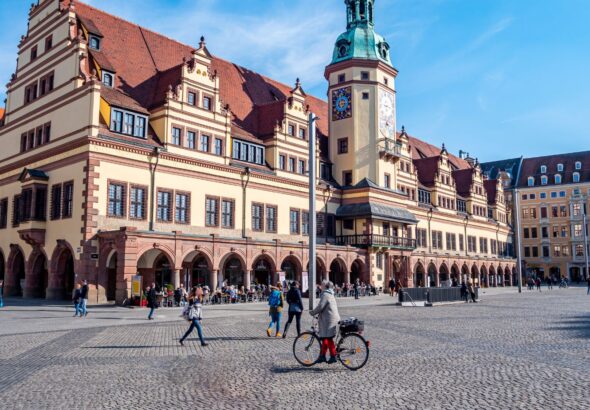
[(328, 319)]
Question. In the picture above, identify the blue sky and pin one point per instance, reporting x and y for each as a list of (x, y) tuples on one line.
[(497, 78)]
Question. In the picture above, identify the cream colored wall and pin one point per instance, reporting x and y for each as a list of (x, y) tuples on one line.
[(229, 187), (67, 229)]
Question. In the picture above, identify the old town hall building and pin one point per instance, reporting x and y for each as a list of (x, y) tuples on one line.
[(126, 152)]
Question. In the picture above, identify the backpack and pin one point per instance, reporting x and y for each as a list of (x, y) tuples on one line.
[(274, 300), (193, 312)]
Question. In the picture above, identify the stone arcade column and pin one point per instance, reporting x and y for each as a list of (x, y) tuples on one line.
[(248, 278), (176, 277)]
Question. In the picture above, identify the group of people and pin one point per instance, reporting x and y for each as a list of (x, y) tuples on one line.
[(394, 287), (468, 292), (326, 310), (80, 299), (356, 289)]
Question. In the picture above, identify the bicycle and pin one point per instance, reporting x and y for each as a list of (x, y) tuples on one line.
[(563, 284), (352, 350)]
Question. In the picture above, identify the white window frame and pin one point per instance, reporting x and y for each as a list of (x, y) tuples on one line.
[(559, 167), (94, 38), (531, 181), (111, 76), (543, 169), (557, 179), (135, 131), (544, 180), (578, 165), (576, 177)]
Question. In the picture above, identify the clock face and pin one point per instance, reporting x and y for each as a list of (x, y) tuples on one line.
[(386, 114), (341, 103)]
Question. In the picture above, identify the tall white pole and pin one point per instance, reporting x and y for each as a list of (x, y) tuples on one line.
[(312, 212), (517, 239)]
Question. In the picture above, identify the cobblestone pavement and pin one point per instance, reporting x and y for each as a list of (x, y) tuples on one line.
[(510, 351)]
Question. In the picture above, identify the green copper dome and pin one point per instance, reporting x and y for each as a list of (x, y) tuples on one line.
[(360, 40)]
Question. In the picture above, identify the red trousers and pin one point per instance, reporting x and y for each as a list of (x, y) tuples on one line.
[(328, 344)]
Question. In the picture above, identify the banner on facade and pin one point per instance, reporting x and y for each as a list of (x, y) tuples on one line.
[(136, 285), (304, 282)]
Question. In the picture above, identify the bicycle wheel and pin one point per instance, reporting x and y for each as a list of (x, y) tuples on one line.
[(307, 349), (353, 351)]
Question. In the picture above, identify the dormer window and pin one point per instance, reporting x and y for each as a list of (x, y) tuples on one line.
[(559, 167), (558, 179), (544, 180), (576, 177), (108, 79), (543, 169), (94, 43), (128, 123), (578, 165), (531, 181)]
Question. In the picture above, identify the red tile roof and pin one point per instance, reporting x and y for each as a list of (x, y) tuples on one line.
[(427, 168), (147, 63), (491, 185), (531, 167), (463, 180)]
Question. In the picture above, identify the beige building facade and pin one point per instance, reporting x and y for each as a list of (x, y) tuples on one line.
[(553, 193), (127, 153)]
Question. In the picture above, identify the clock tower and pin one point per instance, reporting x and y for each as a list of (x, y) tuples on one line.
[(361, 96)]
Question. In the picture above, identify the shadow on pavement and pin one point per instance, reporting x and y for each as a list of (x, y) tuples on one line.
[(301, 369), (578, 325)]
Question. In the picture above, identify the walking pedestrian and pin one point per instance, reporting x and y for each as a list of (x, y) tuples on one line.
[(275, 301), (471, 291), (2, 293), (76, 299), (295, 308), (398, 287), (549, 283), (587, 292), (152, 300), (538, 284), (464, 292), (392, 287), (328, 318), (84, 299), (357, 285), (194, 314)]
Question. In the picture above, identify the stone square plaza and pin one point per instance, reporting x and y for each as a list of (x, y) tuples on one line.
[(508, 351)]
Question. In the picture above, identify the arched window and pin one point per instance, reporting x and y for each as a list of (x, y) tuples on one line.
[(543, 169), (576, 177), (559, 167), (578, 165), (531, 181), (558, 179), (544, 180)]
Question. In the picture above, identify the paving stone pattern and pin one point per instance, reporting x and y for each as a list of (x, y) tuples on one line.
[(511, 351)]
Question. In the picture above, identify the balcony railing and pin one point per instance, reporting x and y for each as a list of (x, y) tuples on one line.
[(377, 241), (390, 149)]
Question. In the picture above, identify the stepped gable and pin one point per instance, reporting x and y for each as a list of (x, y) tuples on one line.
[(146, 63)]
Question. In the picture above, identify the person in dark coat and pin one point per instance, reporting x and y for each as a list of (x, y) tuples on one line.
[(152, 300), (357, 285), (392, 287), (464, 292), (295, 308)]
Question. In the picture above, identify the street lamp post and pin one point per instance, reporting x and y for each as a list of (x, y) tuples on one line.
[(517, 240), (312, 214)]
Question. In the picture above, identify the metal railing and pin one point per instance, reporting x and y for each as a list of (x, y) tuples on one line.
[(373, 240)]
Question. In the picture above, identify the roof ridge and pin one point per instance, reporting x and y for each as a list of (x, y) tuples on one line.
[(587, 152), (142, 28)]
